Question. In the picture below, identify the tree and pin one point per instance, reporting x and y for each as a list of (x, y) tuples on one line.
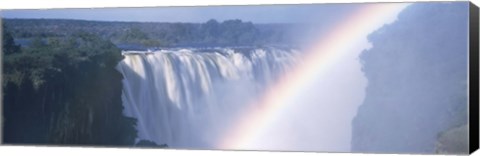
[(148, 143), (8, 44)]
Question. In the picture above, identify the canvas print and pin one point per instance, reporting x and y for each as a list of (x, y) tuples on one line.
[(357, 77)]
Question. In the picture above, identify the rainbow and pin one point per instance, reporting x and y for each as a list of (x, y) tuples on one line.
[(319, 58)]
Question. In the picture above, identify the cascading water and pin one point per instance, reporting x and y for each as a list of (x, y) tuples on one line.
[(187, 98)]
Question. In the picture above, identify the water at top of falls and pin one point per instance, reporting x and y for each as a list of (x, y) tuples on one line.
[(188, 97)]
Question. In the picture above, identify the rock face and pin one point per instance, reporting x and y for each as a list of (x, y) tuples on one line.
[(453, 141), (417, 81)]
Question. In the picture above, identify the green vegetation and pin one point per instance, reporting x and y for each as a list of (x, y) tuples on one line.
[(150, 34), (64, 90), (8, 44)]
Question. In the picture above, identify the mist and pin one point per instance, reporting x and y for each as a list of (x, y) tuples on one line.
[(188, 98), (417, 82), (204, 95)]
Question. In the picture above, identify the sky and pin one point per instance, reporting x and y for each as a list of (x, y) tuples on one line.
[(299, 13)]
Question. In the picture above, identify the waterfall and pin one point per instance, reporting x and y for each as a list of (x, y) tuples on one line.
[(186, 98)]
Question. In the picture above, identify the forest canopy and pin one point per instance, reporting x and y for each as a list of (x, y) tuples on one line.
[(150, 34)]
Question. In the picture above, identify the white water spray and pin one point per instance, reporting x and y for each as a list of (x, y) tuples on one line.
[(186, 98)]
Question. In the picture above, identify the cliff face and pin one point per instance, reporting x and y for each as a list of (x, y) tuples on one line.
[(417, 80), (453, 141), (65, 91)]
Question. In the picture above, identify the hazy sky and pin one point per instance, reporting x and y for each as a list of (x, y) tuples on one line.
[(256, 14)]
